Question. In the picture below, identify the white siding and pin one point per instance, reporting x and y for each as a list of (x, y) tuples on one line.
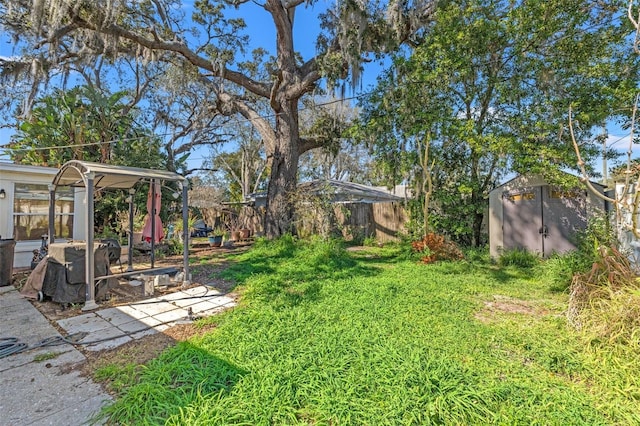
[(9, 175)]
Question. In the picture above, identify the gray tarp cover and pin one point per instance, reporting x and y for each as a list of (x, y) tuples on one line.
[(61, 275)]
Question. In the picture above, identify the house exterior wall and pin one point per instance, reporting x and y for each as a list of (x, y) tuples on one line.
[(10, 174), (626, 237), (594, 205)]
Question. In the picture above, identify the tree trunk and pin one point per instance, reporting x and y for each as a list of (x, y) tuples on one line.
[(283, 181), (477, 229), (478, 218)]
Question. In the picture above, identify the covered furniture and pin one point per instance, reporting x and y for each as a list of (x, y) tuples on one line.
[(61, 275)]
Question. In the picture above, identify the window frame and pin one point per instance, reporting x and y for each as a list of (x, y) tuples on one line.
[(24, 193)]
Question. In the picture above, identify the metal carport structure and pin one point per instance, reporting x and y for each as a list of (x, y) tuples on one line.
[(95, 177)]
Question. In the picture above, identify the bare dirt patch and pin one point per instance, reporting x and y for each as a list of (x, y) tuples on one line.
[(507, 305)]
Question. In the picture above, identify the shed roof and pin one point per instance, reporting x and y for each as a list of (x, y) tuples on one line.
[(109, 176), (527, 178)]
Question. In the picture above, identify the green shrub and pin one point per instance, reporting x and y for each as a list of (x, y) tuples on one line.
[(174, 246), (559, 269), (477, 254), (370, 242)]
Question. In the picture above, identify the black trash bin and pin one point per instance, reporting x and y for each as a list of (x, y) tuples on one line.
[(7, 248)]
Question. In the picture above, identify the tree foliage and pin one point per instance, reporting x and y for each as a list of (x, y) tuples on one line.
[(340, 157), (489, 88), (240, 172), (84, 124)]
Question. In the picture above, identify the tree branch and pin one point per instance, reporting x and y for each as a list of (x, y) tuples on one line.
[(309, 143), (581, 163), (180, 48), (229, 105)]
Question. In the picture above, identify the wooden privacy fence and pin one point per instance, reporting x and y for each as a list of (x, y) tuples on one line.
[(351, 221), (356, 221), (390, 219)]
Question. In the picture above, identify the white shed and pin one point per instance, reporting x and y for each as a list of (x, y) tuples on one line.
[(24, 209), (529, 213)]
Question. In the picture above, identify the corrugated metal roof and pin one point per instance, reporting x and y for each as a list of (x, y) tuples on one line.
[(347, 191), (340, 191)]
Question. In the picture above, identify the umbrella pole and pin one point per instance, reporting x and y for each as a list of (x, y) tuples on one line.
[(52, 213), (89, 259), (186, 281), (130, 233), (153, 222)]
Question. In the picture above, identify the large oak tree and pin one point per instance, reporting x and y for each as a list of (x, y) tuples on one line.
[(210, 45)]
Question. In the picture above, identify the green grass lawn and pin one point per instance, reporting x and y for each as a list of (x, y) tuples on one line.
[(324, 336)]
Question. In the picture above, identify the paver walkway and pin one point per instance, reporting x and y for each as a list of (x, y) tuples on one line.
[(52, 392)]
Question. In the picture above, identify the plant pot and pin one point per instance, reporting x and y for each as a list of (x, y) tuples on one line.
[(244, 233), (235, 235), (215, 241)]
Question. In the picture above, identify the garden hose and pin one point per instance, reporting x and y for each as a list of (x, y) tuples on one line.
[(10, 346)]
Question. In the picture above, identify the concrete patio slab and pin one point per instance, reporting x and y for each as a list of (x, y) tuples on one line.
[(52, 392), (109, 338), (193, 300), (202, 307), (152, 308), (114, 316), (131, 312), (144, 333), (87, 323), (171, 316), (199, 291)]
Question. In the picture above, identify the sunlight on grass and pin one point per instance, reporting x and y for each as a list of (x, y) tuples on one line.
[(329, 337)]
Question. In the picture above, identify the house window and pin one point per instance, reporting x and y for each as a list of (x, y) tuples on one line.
[(31, 212)]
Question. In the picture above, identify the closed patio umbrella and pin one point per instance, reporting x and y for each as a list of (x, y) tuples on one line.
[(153, 228)]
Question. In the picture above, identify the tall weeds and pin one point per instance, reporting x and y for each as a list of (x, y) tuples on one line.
[(605, 301)]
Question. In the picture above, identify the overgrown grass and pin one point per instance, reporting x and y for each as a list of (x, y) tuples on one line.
[(325, 336), (520, 258)]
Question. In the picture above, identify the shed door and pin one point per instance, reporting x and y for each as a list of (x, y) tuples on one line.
[(543, 219), (523, 219), (564, 214)]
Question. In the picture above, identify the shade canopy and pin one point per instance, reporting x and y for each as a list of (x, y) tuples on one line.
[(108, 176), (97, 176)]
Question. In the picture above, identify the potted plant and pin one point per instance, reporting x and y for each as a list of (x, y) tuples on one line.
[(215, 239)]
